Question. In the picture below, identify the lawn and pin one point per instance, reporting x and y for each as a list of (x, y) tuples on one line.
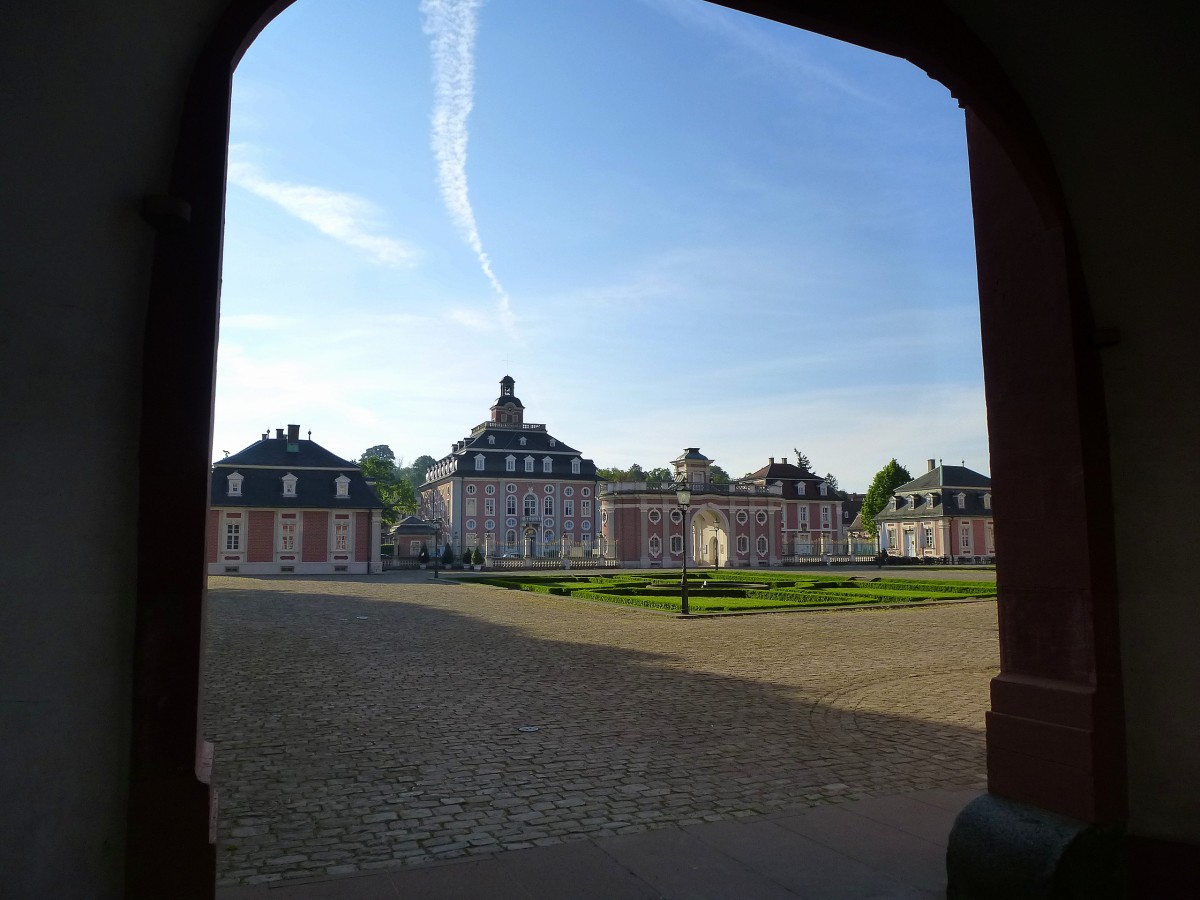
[(734, 591)]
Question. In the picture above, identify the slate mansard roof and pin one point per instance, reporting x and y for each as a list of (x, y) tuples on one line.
[(790, 475), (263, 464), (538, 443), (945, 483)]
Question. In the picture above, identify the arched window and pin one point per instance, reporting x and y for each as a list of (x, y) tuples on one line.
[(530, 506), (548, 507), (510, 538), (743, 544), (762, 545), (676, 544), (655, 545), (510, 505), (478, 462)]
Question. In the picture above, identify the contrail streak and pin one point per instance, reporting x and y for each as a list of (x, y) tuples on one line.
[(451, 25)]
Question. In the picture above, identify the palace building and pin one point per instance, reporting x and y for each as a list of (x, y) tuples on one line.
[(781, 513), (513, 489), (285, 505)]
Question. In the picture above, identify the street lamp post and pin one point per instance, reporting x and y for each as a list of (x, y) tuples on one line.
[(684, 495)]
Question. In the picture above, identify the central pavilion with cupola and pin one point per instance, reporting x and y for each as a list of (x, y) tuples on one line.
[(513, 489)]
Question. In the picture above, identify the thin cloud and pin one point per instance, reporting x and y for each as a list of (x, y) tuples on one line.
[(451, 26), (344, 217), (726, 24)]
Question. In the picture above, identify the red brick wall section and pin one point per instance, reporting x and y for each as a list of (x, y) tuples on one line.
[(362, 536), (260, 541), (214, 516), (316, 537)]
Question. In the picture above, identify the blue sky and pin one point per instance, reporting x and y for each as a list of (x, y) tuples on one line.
[(674, 225)]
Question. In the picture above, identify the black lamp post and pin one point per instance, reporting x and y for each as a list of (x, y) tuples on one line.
[(684, 495)]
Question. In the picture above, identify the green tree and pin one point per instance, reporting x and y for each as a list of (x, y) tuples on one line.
[(659, 474), (717, 475), (394, 491), (802, 460), (380, 451), (885, 483), (833, 483), (414, 474)]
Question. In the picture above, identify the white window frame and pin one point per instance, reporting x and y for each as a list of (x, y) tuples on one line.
[(824, 489), (826, 515), (762, 545), (548, 505), (289, 484), (233, 535), (547, 465), (510, 505), (654, 516), (529, 464), (569, 508), (585, 507), (523, 441), (414, 548), (575, 467), (479, 458), (654, 545), (491, 439), (743, 544), (234, 487), (489, 506), (341, 535), (804, 514), (288, 530), (964, 531), (677, 545), (962, 501), (987, 501), (472, 507), (530, 501), (801, 488), (510, 463), (342, 488)]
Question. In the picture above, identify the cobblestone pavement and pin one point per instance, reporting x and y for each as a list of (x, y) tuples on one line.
[(368, 722)]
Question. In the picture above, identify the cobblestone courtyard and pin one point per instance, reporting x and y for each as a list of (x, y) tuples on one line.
[(390, 720)]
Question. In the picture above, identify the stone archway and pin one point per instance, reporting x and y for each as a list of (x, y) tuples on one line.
[(1061, 682), (710, 537)]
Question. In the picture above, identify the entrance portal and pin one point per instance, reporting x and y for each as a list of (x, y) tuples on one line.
[(710, 538)]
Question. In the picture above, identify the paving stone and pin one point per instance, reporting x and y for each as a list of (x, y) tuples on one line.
[(410, 726)]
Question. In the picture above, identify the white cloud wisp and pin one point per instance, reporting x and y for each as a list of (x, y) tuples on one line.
[(451, 26), (344, 217)]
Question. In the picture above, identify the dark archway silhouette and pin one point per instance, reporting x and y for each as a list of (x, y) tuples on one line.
[(1055, 731)]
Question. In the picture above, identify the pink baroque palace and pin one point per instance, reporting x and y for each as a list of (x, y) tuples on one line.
[(781, 514), (285, 505), (514, 490)]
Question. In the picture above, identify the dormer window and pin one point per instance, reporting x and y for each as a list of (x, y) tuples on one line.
[(892, 503), (343, 486), (575, 467), (528, 463), (491, 439), (929, 501), (510, 463), (547, 464), (824, 489), (801, 487), (987, 501), (962, 501), (289, 484), (553, 442), (523, 441), (479, 462), (235, 484)]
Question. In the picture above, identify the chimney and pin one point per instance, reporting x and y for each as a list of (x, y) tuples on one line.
[(293, 444), (278, 434), (266, 434), (931, 466), (770, 460)]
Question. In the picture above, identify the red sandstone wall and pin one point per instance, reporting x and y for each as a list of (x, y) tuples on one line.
[(362, 537), (213, 517), (315, 543), (260, 537)]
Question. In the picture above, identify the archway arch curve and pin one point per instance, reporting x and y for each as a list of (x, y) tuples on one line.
[(1060, 659)]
